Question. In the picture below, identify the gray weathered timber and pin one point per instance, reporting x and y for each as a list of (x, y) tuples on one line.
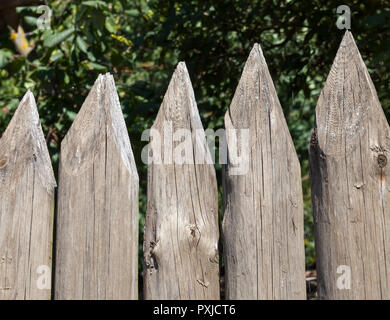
[(350, 193), (181, 228), (263, 221), (97, 222), (26, 207)]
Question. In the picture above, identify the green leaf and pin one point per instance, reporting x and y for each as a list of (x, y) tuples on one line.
[(56, 54), (71, 115), (81, 44), (59, 126), (132, 12), (57, 38), (5, 55), (91, 56), (97, 66), (31, 21), (94, 4), (46, 34), (110, 24), (29, 85), (66, 78)]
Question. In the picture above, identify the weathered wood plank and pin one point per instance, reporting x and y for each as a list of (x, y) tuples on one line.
[(97, 223), (263, 221), (350, 193), (26, 207), (181, 228)]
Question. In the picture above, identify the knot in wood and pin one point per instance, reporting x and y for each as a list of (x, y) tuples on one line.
[(3, 162), (194, 233), (382, 160), (214, 256), (151, 261), (314, 139), (153, 245)]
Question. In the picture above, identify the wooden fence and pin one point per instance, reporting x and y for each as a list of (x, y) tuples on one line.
[(348, 167), (88, 239)]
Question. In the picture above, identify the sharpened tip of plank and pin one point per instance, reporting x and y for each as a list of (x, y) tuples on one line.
[(179, 110), (256, 50), (181, 72), (347, 37), (99, 115), (118, 124), (257, 54), (345, 101), (255, 91), (181, 66), (25, 139), (346, 42), (179, 105)]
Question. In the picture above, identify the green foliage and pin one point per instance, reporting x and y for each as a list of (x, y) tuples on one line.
[(140, 42)]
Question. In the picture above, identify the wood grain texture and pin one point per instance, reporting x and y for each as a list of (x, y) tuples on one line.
[(350, 193), (97, 223), (26, 206), (181, 228), (263, 221)]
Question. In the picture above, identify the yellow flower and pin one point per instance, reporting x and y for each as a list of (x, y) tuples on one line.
[(20, 41), (122, 39), (149, 14)]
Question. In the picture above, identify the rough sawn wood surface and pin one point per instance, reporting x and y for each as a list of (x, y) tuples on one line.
[(26, 207), (97, 222), (263, 237), (350, 193), (181, 227)]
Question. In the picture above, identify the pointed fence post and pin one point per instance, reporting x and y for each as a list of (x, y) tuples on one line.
[(350, 187), (26, 207), (181, 227), (263, 221), (97, 223)]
